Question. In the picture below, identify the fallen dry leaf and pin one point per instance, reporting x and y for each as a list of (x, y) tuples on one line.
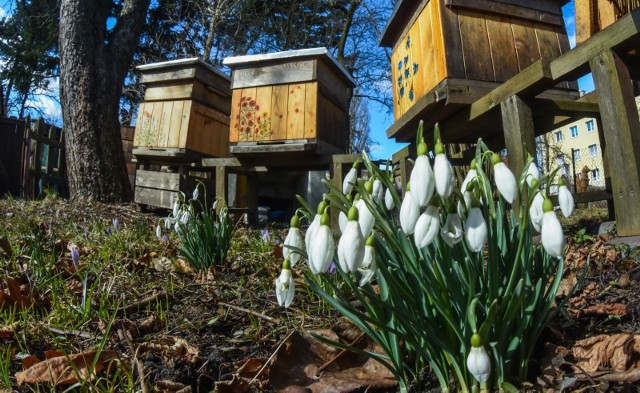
[(166, 386), (606, 309), (7, 332), (5, 246), (66, 370), (619, 352), (171, 347)]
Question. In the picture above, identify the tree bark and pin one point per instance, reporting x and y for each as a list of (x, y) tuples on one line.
[(93, 64)]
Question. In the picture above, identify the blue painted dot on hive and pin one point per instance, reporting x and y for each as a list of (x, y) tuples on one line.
[(406, 60), (406, 73), (408, 42), (400, 80), (411, 95), (400, 65), (401, 92), (415, 68)]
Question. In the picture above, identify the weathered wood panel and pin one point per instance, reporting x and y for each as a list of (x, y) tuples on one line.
[(285, 72), (279, 107), (438, 42), (311, 110), (504, 58), (234, 129), (526, 44), (475, 46), (295, 110)]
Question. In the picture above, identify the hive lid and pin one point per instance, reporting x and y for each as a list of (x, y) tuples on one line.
[(405, 11), (250, 61), (180, 63)]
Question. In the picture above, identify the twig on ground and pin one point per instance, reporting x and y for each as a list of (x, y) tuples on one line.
[(267, 318), (339, 355), (125, 336), (158, 297), (271, 357), (77, 333)]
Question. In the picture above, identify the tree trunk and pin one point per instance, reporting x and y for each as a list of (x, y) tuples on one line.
[(93, 64)]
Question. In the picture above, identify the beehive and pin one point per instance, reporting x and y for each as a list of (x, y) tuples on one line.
[(185, 110), (455, 51), (289, 102)]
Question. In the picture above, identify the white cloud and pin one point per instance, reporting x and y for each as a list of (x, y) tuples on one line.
[(3, 13)]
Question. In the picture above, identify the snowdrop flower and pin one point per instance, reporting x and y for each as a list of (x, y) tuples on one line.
[(75, 258), (505, 180), (365, 218), (471, 175), (176, 227), (322, 247), (158, 231), (293, 239), (551, 233), (535, 211), (388, 200), (176, 208), (351, 245), (350, 180), (378, 191), (184, 218), (116, 224), (533, 173), (421, 179), (475, 228), (478, 361), (196, 193), (442, 172), (409, 212), (167, 224), (368, 267), (265, 235), (342, 221), (565, 199), (315, 223), (285, 287), (427, 227), (451, 231)]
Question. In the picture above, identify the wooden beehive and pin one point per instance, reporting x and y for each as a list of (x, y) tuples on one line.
[(594, 15), (455, 51), (289, 102), (185, 110)]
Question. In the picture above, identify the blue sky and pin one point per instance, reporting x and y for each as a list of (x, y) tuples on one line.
[(381, 120)]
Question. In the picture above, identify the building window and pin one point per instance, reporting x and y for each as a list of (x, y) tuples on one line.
[(558, 136), (590, 126), (593, 150), (595, 174), (560, 159), (574, 131), (576, 154)]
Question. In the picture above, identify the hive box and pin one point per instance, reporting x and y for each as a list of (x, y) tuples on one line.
[(185, 110), (289, 102), (455, 51)]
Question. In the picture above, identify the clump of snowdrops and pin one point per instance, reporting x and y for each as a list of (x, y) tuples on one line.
[(447, 277), (204, 231)]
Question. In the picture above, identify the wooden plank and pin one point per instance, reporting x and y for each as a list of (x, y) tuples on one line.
[(279, 107), (437, 42), (295, 110), (526, 43), (585, 20), (328, 78), (475, 46), (510, 10), (519, 133), (154, 179), (155, 197), (175, 124), (166, 92), (418, 53), (547, 42), (452, 41), (621, 129), (287, 72), (165, 124), (606, 14), (395, 84), (311, 110), (235, 116), (155, 135), (218, 116), (503, 51), (428, 61), (185, 124), (621, 36), (403, 17)]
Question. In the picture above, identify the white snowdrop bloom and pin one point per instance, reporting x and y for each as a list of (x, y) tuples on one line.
[(368, 267), (551, 234), (475, 229), (342, 221), (184, 218), (565, 199), (427, 227), (478, 361), (533, 173), (167, 223), (322, 247), (350, 180), (294, 239), (442, 172), (365, 218), (451, 231), (378, 191), (471, 175), (196, 193), (158, 231), (536, 212), (176, 208), (315, 223), (388, 200), (285, 287), (505, 180), (409, 213), (351, 245), (421, 179)]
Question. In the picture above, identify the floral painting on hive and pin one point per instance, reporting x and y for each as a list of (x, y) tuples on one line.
[(251, 124)]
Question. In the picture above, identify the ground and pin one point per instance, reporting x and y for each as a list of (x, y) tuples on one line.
[(142, 311)]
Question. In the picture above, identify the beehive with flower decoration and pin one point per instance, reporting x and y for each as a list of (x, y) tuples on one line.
[(289, 102)]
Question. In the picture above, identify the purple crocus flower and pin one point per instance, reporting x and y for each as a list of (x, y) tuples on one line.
[(332, 268), (264, 234), (165, 239), (75, 258)]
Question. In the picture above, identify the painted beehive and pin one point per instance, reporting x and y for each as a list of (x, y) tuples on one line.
[(455, 51), (185, 110), (294, 102)]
